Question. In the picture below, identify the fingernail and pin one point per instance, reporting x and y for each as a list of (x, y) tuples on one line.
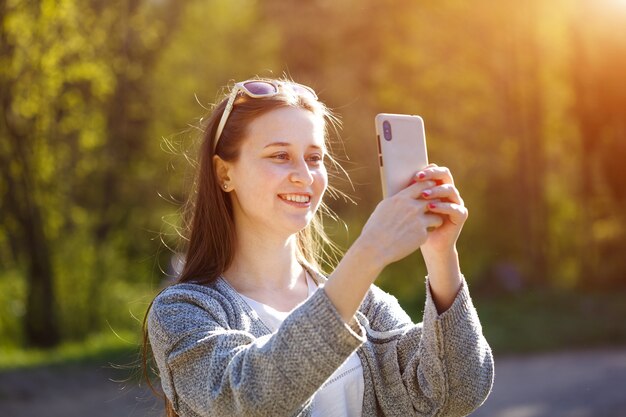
[(432, 205), (421, 175), (426, 193), (412, 182)]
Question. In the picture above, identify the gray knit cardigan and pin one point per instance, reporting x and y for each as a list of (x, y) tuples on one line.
[(217, 358)]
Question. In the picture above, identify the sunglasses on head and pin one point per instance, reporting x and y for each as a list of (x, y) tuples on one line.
[(259, 89)]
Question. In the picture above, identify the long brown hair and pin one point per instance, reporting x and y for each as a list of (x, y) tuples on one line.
[(208, 231)]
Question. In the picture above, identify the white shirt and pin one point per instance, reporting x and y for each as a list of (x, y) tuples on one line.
[(342, 393)]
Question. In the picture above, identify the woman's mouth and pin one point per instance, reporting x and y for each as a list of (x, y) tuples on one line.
[(298, 200)]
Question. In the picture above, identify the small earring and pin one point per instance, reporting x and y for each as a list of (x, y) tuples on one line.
[(225, 186)]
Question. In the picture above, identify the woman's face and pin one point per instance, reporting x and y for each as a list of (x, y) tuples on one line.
[(279, 178)]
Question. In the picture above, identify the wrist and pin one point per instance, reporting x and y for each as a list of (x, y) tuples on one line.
[(369, 254), (442, 262), (348, 284), (444, 278)]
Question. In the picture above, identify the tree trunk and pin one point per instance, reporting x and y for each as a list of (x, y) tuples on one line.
[(40, 319), (22, 216), (40, 325)]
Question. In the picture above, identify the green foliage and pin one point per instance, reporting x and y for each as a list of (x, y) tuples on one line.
[(552, 320), (72, 156), (523, 102), (100, 286), (215, 45), (12, 308), (106, 349)]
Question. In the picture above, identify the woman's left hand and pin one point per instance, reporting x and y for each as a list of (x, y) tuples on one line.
[(445, 200)]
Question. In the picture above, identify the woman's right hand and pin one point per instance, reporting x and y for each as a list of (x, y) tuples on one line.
[(399, 224), (397, 227)]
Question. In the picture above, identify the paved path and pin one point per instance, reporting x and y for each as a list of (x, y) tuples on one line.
[(75, 392), (571, 384)]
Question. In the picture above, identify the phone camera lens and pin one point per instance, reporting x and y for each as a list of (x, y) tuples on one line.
[(387, 130)]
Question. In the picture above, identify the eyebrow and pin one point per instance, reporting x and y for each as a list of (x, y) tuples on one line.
[(276, 144)]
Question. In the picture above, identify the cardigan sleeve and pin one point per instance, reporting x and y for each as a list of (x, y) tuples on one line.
[(212, 370), (444, 363)]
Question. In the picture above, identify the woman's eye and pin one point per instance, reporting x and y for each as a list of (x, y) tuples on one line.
[(316, 158), (312, 159)]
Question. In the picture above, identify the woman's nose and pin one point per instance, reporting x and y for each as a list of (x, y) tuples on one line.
[(301, 173)]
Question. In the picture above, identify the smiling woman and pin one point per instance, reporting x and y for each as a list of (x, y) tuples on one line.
[(280, 167), (253, 328)]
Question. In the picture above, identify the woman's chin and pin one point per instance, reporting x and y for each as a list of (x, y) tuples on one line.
[(295, 225)]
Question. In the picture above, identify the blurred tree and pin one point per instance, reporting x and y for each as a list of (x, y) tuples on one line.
[(88, 89), (522, 97), (138, 33), (598, 65), (74, 102), (31, 115)]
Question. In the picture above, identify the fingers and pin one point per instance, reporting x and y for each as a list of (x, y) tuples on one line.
[(445, 189), (435, 173), (415, 189), (456, 213), (429, 177), (445, 192), (434, 185), (432, 221)]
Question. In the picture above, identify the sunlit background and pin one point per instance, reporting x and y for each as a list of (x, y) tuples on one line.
[(524, 101)]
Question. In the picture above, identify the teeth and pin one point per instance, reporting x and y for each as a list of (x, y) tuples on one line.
[(297, 198)]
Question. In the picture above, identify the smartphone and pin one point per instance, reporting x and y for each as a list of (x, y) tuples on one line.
[(401, 150)]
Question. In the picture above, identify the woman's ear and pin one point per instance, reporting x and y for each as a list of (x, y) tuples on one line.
[(222, 171)]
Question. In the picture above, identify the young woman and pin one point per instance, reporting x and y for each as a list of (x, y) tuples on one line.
[(252, 328)]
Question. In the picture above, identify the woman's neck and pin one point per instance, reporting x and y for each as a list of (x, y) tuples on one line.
[(262, 264)]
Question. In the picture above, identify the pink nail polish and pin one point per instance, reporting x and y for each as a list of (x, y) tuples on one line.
[(432, 205), (421, 175), (426, 193)]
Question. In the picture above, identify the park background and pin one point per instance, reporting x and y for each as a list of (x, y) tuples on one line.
[(100, 101)]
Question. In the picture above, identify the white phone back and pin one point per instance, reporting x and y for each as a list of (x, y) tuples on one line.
[(402, 151)]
